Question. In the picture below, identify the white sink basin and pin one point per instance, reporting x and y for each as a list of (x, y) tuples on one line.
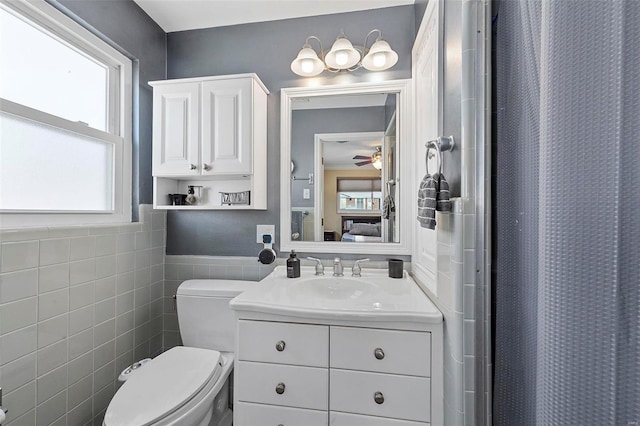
[(373, 296), (335, 288)]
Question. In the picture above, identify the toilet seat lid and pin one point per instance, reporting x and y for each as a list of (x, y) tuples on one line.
[(163, 385)]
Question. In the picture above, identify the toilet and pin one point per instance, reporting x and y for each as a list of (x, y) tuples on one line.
[(187, 385)]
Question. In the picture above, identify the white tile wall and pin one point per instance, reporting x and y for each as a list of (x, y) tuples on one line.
[(77, 305), (456, 292)]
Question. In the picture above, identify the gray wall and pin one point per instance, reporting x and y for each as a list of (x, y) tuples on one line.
[(452, 167), (267, 49), (420, 6), (306, 123), (128, 28)]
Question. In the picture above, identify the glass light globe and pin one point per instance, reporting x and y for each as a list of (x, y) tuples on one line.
[(307, 63), (342, 54), (380, 57)]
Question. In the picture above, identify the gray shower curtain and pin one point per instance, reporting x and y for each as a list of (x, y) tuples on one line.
[(567, 213)]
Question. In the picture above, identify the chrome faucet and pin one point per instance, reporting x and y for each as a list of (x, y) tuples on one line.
[(356, 270), (337, 267), (319, 266)]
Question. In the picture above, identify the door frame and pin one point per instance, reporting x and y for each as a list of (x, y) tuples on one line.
[(318, 171)]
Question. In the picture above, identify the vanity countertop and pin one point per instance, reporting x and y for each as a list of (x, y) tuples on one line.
[(372, 297)]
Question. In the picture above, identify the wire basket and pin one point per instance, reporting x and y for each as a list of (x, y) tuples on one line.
[(235, 198)]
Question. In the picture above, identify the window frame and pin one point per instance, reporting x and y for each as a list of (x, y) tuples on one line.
[(119, 124), (372, 212)]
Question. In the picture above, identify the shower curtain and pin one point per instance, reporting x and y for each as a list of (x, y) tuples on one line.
[(567, 212)]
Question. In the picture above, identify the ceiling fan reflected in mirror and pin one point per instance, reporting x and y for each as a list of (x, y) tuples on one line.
[(375, 159)]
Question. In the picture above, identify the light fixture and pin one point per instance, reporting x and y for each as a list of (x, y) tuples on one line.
[(307, 63), (380, 56), (376, 159), (344, 56)]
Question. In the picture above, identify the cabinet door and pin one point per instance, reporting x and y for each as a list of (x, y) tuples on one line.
[(384, 351), (382, 395), (272, 415), (176, 129), (283, 343), (347, 419), (227, 130), (286, 385)]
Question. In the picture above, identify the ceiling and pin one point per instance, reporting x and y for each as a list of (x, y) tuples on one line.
[(180, 15), (339, 155)]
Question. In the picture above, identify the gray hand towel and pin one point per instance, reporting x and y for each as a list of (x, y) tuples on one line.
[(427, 202), (388, 206), (433, 195), (443, 203)]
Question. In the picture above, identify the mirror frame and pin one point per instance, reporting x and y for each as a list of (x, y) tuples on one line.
[(404, 126)]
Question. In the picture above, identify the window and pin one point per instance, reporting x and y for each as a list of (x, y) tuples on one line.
[(65, 121), (359, 195)]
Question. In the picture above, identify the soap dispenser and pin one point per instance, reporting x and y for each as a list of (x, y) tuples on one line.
[(293, 265)]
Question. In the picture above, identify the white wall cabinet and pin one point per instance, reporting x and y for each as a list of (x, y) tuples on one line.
[(321, 374), (210, 132)]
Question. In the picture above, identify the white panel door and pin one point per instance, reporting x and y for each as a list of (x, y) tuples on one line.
[(176, 129), (227, 131), (428, 75)]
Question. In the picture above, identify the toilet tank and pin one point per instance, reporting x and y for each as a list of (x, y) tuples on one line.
[(204, 316)]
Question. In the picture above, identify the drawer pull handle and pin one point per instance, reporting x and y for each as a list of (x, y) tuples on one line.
[(280, 346), (378, 397), (280, 388), (378, 353)]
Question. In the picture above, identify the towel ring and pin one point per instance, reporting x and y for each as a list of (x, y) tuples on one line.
[(440, 144)]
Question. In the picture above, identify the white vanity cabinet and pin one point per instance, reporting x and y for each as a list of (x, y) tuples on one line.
[(210, 132), (322, 374)]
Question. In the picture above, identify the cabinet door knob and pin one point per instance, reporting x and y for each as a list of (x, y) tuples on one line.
[(192, 167), (378, 353), (280, 388), (378, 397), (206, 166), (280, 346)]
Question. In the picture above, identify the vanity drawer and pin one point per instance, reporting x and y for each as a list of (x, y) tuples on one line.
[(346, 419), (291, 386), (270, 415), (283, 343), (401, 397), (385, 351)]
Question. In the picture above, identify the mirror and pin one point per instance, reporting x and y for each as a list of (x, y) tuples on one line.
[(345, 192)]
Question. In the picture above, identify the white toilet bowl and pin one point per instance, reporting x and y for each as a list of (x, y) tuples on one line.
[(177, 387)]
